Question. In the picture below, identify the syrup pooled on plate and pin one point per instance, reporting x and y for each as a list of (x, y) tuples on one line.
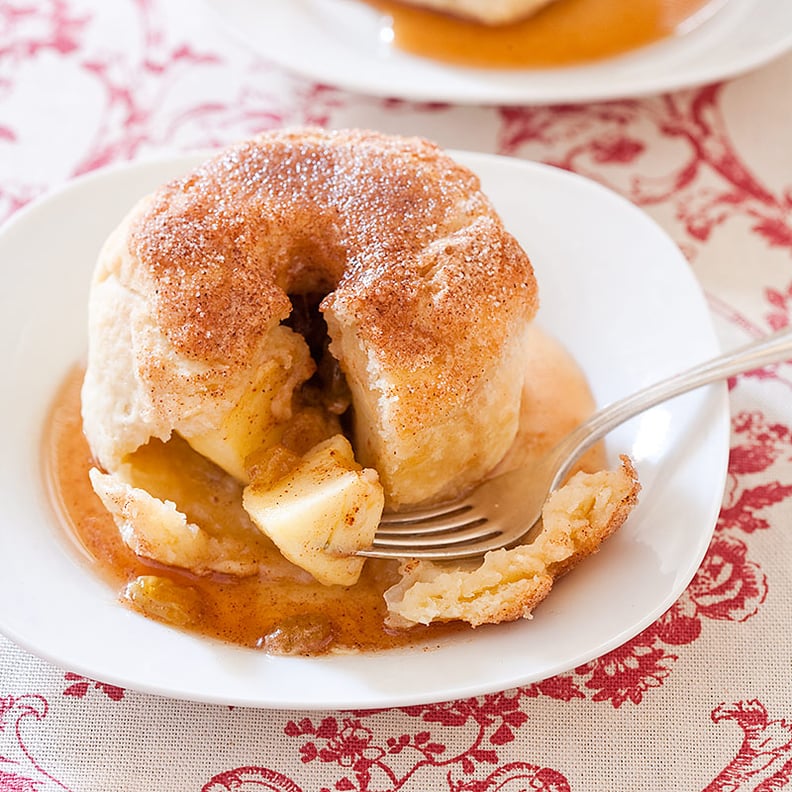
[(274, 606), (564, 33)]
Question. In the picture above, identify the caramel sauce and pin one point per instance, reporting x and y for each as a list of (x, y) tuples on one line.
[(268, 609), (564, 33)]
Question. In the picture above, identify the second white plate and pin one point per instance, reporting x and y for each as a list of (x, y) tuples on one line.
[(608, 276), (338, 42)]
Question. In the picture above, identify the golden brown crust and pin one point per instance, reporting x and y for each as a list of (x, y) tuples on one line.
[(356, 212), (508, 584), (428, 298), (589, 538)]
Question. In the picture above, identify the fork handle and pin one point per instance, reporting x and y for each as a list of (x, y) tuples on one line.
[(770, 349)]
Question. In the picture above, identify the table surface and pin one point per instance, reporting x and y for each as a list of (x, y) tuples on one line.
[(700, 700)]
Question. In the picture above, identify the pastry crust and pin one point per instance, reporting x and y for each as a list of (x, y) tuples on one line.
[(427, 301), (508, 584), (490, 12)]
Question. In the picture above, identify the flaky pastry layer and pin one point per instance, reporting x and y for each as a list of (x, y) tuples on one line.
[(508, 584)]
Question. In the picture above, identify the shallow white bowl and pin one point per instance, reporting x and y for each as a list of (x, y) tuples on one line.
[(615, 290), (338, 42)]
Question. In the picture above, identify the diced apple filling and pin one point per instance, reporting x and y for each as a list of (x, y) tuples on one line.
[(258, 419), (321, 512), (305, 490)]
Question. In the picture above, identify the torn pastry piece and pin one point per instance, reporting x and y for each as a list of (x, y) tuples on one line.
[(157, 530), (508, 584), (489, 12), (179, 509)]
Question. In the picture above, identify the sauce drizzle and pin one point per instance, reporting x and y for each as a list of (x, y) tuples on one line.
[(564, 33), (281, 609)]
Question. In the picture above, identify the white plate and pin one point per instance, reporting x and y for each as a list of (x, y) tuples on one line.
[(338, 42), (615, 290)]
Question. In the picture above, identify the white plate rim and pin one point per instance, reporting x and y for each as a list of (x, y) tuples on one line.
[(340, 682), (739, 37)]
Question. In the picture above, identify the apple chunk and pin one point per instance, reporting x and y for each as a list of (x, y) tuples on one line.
[(257, 419), (322, 512)]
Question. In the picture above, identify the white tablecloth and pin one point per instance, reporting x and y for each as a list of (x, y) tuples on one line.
[(702, 699)]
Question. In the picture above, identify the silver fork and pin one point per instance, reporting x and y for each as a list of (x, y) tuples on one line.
[(502, 510)]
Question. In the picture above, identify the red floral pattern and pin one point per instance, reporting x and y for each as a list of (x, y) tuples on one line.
[(160, 81), (764, 760), (780, 307), (251, 779), (19, 770), (709, 184), (81, 685), (352, 747)]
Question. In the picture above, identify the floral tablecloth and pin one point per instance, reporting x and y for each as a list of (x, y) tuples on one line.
[(702, 699)]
